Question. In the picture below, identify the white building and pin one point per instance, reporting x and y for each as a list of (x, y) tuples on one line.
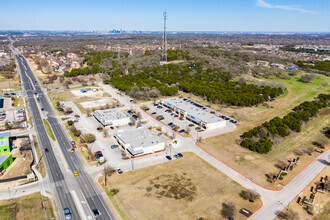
[(194, 112), (262, 63), (113, 117), (139, 141)]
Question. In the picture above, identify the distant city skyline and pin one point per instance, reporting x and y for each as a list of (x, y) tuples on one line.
[(184, 15)]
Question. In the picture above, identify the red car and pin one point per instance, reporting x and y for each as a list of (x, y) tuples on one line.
[(98, 152), (176, 116)]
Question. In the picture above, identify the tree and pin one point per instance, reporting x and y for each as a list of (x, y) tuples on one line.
[(77, 133), (68, 110), (108, 171), (250, 195), (89, 138), (228, 210), (307, 78), (70, 122), (288, 215)]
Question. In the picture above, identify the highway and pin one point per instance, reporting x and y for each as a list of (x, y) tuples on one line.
[(63, 182)]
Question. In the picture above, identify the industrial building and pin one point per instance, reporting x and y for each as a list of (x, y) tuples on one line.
[(112, 117), (5, 162), (139, 141), (194, 112)]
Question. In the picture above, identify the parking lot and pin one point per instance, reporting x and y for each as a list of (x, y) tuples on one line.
[(103, 143), (185, 127)]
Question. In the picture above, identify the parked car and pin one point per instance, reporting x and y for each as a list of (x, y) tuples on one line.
[(176, 116), (99, 128), (154, 113), (159, 134), (67, 213), (12, 93), (114, 146), (130, 124), (119, 171), (112, 127), (159, 107), (182, 131), (180, 155), (168, 157), (191, 125), (76, 173)]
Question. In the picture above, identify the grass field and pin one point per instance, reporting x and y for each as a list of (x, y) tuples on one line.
[(254, 165), (186, 188), (321, 207), (49, 129), (9, 83), (27, 207)]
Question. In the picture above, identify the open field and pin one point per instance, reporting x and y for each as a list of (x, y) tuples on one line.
[(27, 207), (254, 165), (89, 100), (186, 188), (9, 83), (321, 207)]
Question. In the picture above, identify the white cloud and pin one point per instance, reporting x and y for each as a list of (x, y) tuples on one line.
[(263, 4)]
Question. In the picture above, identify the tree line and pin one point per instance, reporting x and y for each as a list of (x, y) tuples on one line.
[(213, 84), (260, 139)]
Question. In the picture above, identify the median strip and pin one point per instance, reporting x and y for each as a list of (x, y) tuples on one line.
[(49, 129)]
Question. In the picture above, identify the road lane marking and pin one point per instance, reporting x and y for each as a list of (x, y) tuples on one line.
[(78, 204)]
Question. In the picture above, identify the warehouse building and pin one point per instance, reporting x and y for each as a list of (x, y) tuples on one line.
[(139, 141), (5, 162), (194, 112), (112, 117)]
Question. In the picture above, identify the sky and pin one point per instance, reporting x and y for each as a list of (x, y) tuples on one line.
[(183, 15)]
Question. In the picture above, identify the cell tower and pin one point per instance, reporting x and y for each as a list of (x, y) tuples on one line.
[(164, 55), (118, 51)]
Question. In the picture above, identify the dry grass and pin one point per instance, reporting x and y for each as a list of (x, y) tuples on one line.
[(9, 83), (20, 166), (254, 165), (322, 201), (187, 188), (41, 167), (26, 207)]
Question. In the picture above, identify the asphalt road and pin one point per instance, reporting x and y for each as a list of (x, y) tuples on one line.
[(83, 181)]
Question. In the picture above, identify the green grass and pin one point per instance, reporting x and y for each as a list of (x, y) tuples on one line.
[(8, 211), (306, 90), (49, 129)]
